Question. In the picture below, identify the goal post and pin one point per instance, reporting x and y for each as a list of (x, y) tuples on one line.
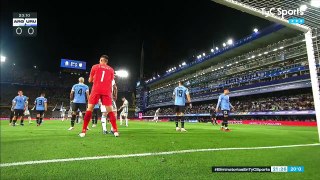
[(313, 77), (251, 9)]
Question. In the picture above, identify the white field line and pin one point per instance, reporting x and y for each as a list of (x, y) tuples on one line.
[(148, 154)]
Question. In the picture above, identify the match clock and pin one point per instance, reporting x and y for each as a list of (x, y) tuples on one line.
[(25, 24)]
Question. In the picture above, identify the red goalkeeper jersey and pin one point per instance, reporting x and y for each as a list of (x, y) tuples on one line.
[(102, 79)]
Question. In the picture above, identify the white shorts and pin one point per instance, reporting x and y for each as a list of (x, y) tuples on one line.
[(114, 107), (123, 114), (27, 113)]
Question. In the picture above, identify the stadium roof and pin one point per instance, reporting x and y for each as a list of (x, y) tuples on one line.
[(311, 13), (277, 33)]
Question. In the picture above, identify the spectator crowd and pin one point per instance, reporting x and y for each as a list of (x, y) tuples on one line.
[(297, 102)]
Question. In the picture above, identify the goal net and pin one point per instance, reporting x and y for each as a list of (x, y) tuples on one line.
[(302, 15)]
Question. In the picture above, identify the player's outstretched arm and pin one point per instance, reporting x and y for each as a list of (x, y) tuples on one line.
[(189, 100), (71, 95), (115, 92), (218, 104), (92, 73), (26, 104), (14, 102), (123, 105), (45, 106), (88, 95), (174, 93), (90, 79)]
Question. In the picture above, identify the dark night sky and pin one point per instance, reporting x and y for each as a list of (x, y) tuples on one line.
[(171, 31)]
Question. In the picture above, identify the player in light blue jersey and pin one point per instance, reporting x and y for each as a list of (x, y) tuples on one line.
[(225, 106), (41, 105), (78, 96), (19, 105), (180, 94)]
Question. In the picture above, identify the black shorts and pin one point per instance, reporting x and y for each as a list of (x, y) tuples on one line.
[(81, 106), (96, 110), (18, 112), (179, 109), (41, 112), (225, 113)]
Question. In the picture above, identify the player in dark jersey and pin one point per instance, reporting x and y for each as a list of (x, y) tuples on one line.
[(213, 115), (95, 115), (11, 114)]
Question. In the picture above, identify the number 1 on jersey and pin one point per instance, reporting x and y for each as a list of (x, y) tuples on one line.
[(102, 76)]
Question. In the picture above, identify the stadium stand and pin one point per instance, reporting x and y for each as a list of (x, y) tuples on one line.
[(298, 102), (33, 81), (257, 68)]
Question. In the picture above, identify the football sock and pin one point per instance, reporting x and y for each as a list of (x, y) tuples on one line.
[(115, 114), (120, 119), (104, 123), (113, 121), (177, 121), (86, 121), (11, 117), (37, 120), (126, 121), (73, 118), (83, 114), (40, 121), (95, 118), (182, 121), (225, 121)]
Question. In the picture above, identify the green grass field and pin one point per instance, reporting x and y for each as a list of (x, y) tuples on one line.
[(53, 141)]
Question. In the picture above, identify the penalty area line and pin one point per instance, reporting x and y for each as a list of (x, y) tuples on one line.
[(149, 154)]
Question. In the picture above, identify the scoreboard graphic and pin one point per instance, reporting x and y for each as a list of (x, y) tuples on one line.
[(25, 24), (73, 64)]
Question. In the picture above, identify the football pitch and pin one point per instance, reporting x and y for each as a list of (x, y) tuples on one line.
[(149, 150)]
